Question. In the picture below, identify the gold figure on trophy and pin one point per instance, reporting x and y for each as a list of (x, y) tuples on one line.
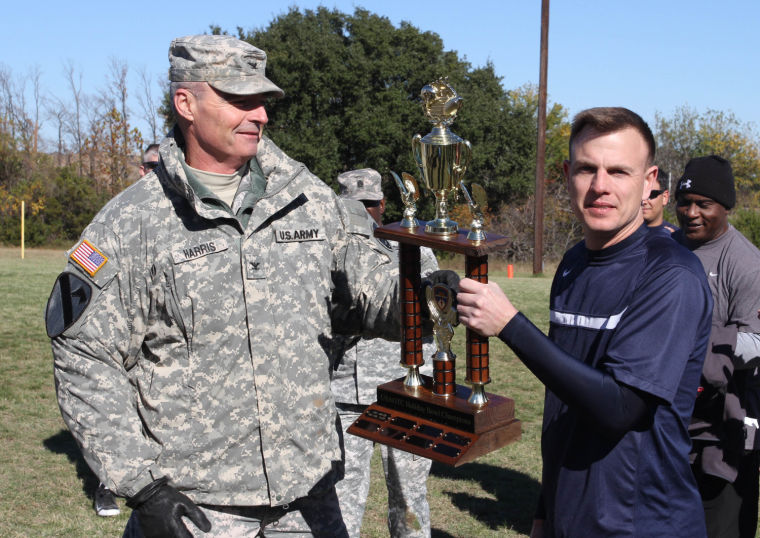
[(441, 156), (410, 193), (440, 302), (476, 202)]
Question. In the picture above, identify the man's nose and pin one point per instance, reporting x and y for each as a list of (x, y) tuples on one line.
[(258, 115), (599, 181)]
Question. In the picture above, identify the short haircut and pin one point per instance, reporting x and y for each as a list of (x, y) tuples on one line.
[(604, 120), (174, 86), (663, 179), (151, 153)]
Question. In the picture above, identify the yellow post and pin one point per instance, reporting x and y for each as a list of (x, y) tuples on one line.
[(22, 229)]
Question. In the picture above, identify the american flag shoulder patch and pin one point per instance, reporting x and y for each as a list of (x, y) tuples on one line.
[(88, 257)]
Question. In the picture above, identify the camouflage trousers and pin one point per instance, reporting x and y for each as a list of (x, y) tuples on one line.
[(316, 515), (405, 477)]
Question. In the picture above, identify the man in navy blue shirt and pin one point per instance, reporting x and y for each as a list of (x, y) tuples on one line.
[(615, 443)]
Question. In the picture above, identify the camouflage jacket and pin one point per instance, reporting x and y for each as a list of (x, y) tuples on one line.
[(203, 353), (361, 364)]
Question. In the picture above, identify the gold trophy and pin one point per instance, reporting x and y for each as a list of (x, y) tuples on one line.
[(441, 156), (435, 417)]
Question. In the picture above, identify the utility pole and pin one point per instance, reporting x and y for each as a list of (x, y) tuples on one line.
[(538, 214)]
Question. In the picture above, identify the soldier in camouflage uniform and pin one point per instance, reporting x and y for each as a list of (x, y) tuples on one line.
[(191, 326), (362, 364)]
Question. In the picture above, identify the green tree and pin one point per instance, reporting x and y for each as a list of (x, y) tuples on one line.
[(687, 134), (516, 220), (352, 86), (71, 203)]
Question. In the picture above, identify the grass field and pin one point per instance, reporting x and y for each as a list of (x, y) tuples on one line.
[(46, 488)]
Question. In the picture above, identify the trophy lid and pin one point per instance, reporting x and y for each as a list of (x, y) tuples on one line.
[(440, 102)]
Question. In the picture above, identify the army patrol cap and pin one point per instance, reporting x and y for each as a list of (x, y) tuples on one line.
[(226, 63), (363, 184)]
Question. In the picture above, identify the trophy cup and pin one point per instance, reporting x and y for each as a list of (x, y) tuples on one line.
[(442, 157), (435, 417)]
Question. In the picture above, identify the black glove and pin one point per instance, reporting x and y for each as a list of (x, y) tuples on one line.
[(160, 508), (442, 276)]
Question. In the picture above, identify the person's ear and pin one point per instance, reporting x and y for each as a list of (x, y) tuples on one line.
[(650, 177), (184, 102)]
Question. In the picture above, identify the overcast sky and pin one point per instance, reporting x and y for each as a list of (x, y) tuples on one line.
[(650, 56)]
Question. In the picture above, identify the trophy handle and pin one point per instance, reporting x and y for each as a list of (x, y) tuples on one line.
[(465, 156)]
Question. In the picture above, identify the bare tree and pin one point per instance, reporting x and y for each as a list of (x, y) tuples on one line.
[(114, 97), (165, 110), (23, 124), (74, 80), (56, 110), (148, 102), (116, 92), (12, 93), (35, 74), (7, 127)]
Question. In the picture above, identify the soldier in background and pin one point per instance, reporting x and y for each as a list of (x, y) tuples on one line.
[(150, 159), (191, 327), (361, 365)]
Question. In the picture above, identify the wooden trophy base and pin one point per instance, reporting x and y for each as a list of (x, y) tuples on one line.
[(444, 429)]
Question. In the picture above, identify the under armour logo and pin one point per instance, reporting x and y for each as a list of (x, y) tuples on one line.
[(685, 184)]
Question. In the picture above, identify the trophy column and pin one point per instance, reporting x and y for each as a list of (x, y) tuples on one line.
[(411, 315), (476, 268)]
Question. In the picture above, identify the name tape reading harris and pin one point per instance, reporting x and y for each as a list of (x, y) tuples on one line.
[(284, 235)]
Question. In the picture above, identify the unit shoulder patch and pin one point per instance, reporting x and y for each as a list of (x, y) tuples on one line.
[(69, 299)]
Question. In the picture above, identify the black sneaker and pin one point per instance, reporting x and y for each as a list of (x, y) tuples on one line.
[(105, 503)]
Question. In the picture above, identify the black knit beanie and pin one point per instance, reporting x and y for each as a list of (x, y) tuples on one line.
[(709, 176)]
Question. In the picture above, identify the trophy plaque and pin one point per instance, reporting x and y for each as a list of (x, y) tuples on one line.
[(434, 417)]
